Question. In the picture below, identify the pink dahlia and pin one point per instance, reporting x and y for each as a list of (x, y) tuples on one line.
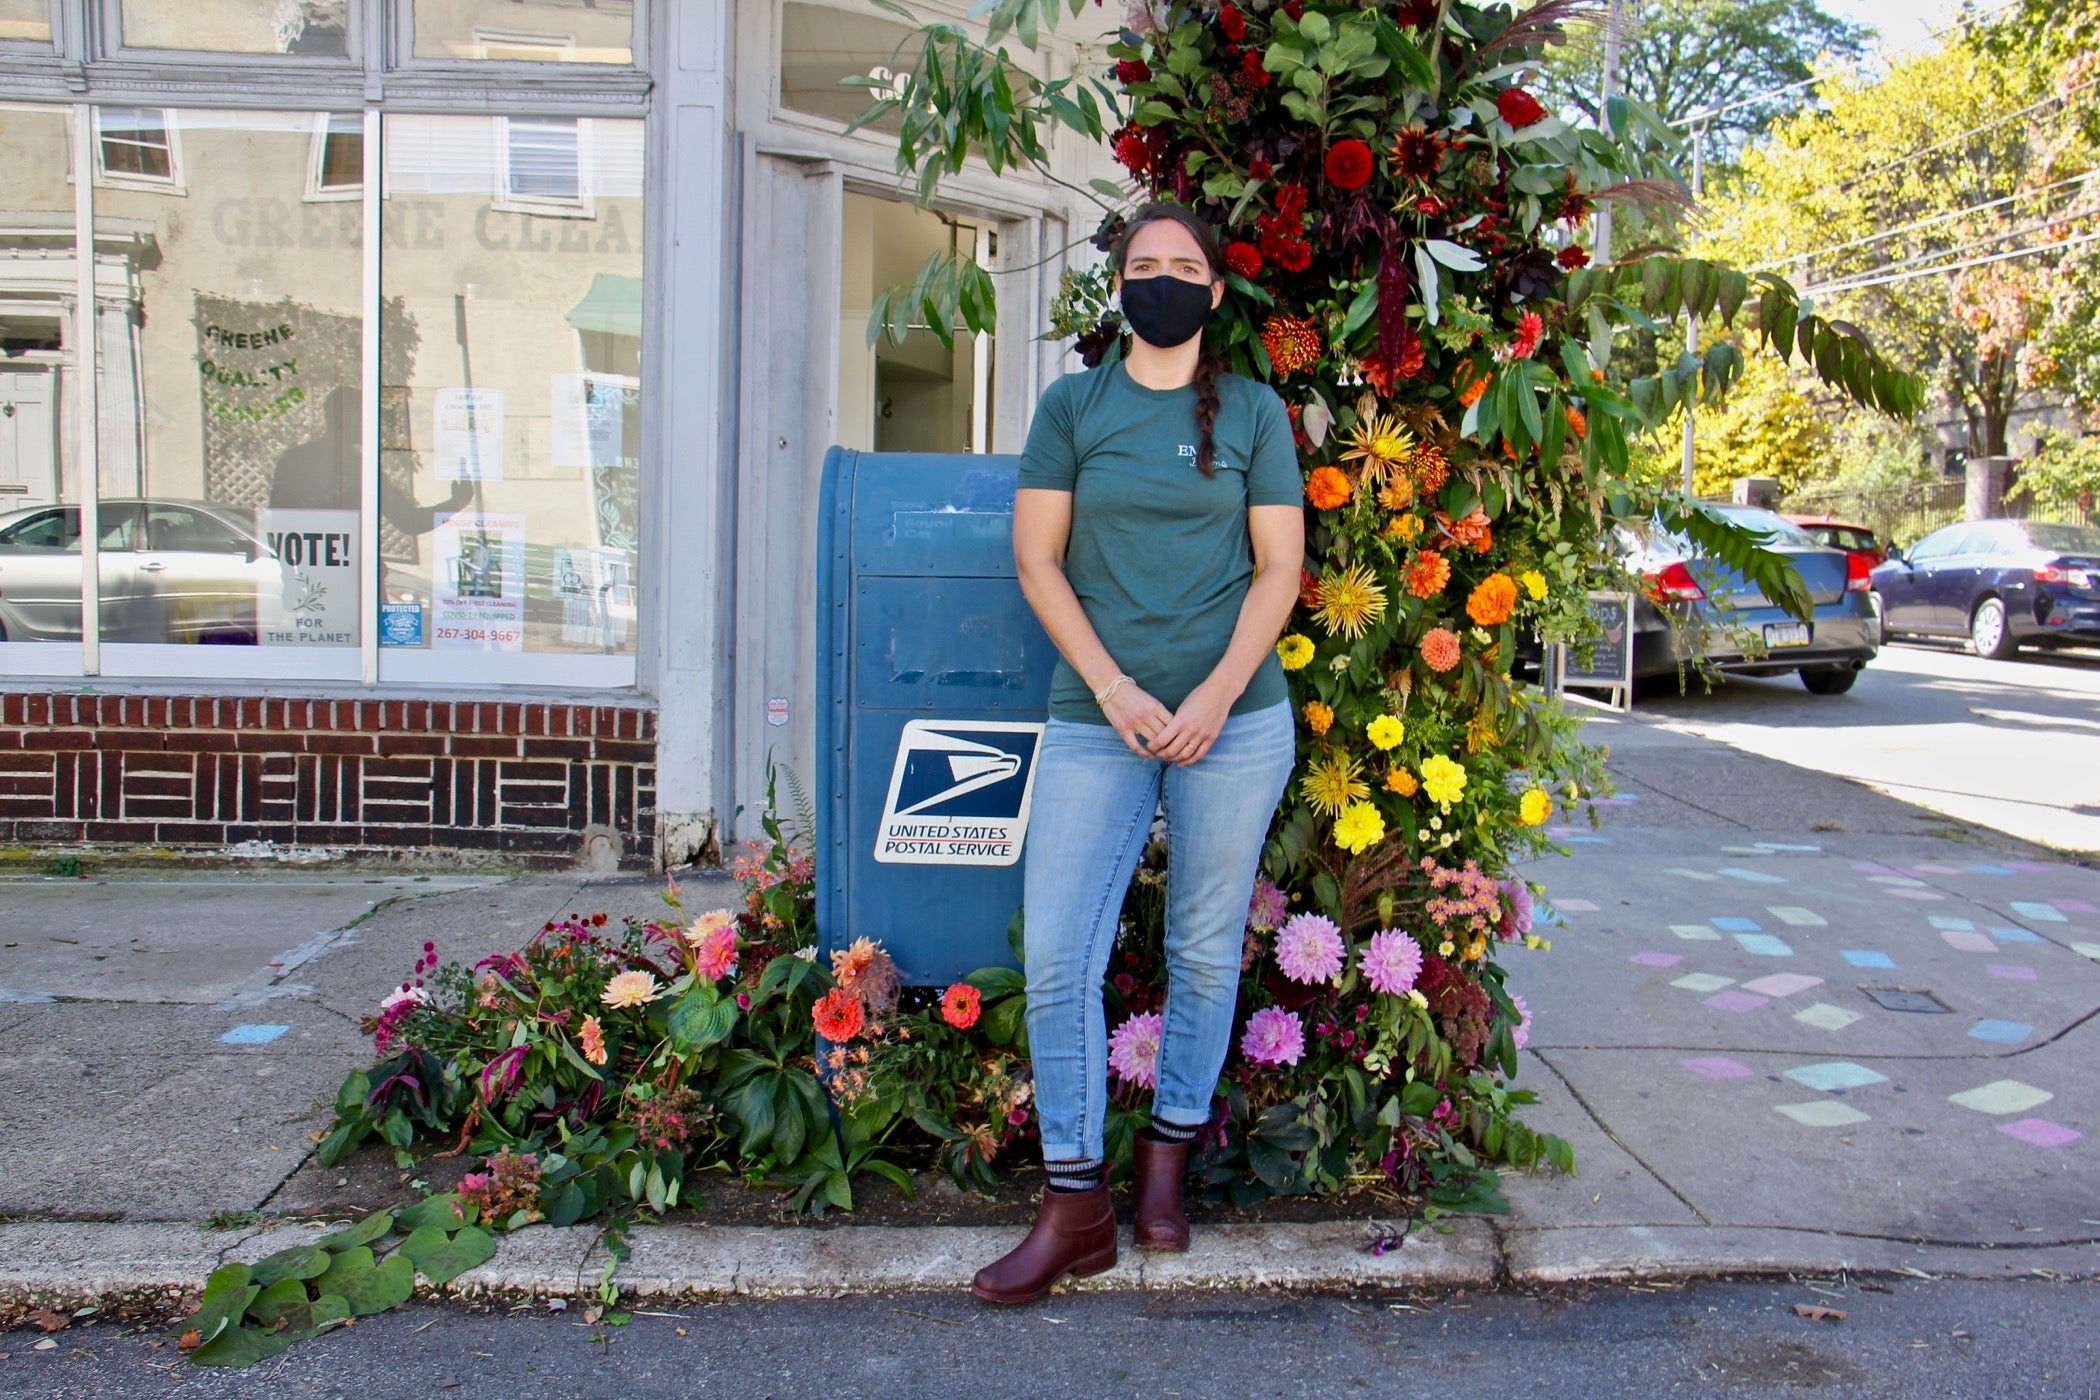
[(716, 954), (1309, 949), (1266, 910), (1391, 961), (1133, 1049), (1274, 1037), (1521, 1032), (1515, 920)]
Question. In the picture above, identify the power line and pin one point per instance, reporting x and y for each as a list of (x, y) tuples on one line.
[(1832, 288), (1959, 136), (1927, 222), (1932, 254)]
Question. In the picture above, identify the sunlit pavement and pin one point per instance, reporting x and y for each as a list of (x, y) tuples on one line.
[(2012, 746)]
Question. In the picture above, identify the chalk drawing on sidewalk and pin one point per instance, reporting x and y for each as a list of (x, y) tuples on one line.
[(1835, 1076), (1704, 983), (2001, 1032), (1825, 1017), (1867, 957), (1822, 1113), (2001, 1097), (1737, 1002), (1968, 942), (1764, 945), (2041, 1132), (1782, 984), (1718, 1067)]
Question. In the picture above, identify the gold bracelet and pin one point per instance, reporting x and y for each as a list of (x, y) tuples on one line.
[(1113, 686)]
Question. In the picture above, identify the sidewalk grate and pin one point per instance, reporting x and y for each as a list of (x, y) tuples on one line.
[(1901, 999)]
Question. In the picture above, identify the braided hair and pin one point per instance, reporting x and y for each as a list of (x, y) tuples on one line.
[(1208, 366)]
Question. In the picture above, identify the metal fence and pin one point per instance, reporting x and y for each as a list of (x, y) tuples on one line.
[(1902, 515)]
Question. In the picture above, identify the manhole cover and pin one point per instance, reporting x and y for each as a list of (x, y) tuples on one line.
[(1897, 999)]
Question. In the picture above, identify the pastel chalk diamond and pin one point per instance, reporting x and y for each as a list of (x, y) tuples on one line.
[(1656, 959), (2016, 935), (1782, 984), (2001, 1096), (1797, 916), (2002, 1032), (1785, 846), (1703, 982), (1990, 870), (1574, 906), (1729, 923), (2073, 906), (1718, 1067), (1948, 921), (1933, 868), (2011, 972), (2035, 912), (1696, 933), (1683, 874), (2041, 1132), (1837, 1075), (1917, 894), (1896, 881), (1825, 1017), (1764, 945), (1736, 1001), (1823, 1113), (1866, 957), (1755, 877), (253, 1034), (1969, 941), (2086, 950)]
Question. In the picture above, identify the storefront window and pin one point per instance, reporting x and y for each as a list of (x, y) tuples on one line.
[(821, 46), (315, 27), (39, 479), (229, 331), (538, 31), (26, 19), (511, 260)]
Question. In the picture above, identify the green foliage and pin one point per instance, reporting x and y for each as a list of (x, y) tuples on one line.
[(2064, 477)]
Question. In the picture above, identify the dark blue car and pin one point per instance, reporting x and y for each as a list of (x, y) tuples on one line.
[(2003, 584)]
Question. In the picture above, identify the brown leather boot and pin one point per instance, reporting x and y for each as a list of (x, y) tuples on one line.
[(1161, 1222), (1075, 1233)]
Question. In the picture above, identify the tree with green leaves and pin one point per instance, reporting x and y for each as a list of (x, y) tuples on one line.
[(1403, 226)]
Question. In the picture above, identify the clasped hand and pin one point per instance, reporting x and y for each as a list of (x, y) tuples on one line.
[(1182, 736)]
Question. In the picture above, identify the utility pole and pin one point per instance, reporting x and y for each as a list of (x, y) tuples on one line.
[(1691, 322), (1613, 21)]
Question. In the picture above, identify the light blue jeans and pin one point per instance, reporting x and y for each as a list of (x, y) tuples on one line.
[(1093, 808)]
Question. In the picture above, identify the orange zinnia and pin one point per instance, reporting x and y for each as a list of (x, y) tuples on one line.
[(1428, 574), (837, 1015), (960, 1005), (1327, 488), (1492, 601)]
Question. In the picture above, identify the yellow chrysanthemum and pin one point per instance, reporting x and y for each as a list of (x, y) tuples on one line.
[(1294, 651), (1386, 732), (1404, 527), (1350, 602), (1401, 781), (1381, 444), (1318, 718), (1534, 583), (1534, 807), (1332, 783), (1444, 779), (1359, 828)]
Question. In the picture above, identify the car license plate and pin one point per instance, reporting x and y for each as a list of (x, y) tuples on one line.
[(1786, 634)]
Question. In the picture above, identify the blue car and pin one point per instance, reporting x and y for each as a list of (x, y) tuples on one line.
[(2003, 584), (1828, 650)]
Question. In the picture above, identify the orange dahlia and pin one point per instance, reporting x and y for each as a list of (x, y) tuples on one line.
[(837, 1015), (1399, 780), (1440, 648), (1327, 488), (1492, 600), (1427, 574), (1292, 343), (1472, 530)]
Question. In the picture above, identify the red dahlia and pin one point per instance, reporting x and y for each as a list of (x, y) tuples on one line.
[(1232, 23), (1260, 168), (1573, 256), (1518, 107), (1417, 152), (1244, 259), (1133, 152), (1133, 70), (1251, 69), (1348, 164)]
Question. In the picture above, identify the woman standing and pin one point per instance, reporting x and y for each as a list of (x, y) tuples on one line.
[(1158, 536)]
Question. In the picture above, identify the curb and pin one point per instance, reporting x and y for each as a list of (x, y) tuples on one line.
[(48, 1262)]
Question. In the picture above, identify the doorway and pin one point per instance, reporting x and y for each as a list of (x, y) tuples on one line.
[(28, 438)]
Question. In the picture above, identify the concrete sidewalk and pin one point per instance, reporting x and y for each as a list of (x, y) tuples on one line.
[(1720, 1029)]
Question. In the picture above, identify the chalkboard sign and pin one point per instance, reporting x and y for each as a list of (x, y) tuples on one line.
[(1610, 664)]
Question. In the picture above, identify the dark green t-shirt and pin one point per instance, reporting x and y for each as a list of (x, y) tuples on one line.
[(1159, 553)]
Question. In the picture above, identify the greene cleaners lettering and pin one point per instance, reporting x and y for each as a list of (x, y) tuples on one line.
[(274, 372)]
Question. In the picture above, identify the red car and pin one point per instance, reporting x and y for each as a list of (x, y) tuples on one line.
[(1847, 535)]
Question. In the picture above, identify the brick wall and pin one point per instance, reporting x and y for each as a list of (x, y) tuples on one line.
[(370, 775)]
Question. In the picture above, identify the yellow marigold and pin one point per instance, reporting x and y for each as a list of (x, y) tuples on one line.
[(1444, 779), (1294, 652), (1534, 583), (1327, 488), (1359, 828), (1386, 732), (1492, 600), (1401, 781), (1350, 602), (1318, 718), (1291, 342), (1534, 807), (1332, 783)]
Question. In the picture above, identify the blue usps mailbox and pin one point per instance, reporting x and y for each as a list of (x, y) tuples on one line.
[(933, 682)]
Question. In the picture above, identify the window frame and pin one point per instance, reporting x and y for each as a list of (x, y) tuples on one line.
[(39, 48), (173, 183), (584, 205), (318, 192), (404, 59), (107, 42)]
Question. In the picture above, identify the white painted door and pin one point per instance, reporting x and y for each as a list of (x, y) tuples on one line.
[(28, 440)]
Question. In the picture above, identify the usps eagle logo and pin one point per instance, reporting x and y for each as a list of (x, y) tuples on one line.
[(959, 793)]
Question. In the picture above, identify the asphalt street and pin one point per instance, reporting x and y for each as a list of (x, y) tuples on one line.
[(1946, 1339)]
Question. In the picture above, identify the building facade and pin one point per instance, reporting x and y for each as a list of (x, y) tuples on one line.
[(411, 411)]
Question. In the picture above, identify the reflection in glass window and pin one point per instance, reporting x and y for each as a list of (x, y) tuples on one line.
[(338, 157), (136, 144), (316, 27), (26, 19), (530, 31), (39, 484), (230, 392), (820, 46), (511, 404)]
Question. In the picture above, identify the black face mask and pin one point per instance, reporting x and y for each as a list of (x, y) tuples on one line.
[(1166, 311)]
